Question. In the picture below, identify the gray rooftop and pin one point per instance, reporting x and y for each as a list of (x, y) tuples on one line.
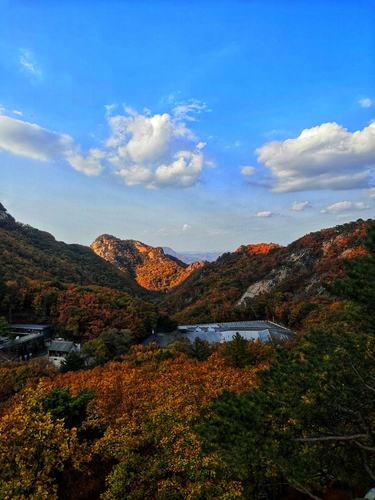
[(29, 326), (218, 332), (24, 339), (61, 345)]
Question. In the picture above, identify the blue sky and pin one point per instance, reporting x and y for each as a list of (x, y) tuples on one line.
[(198, 125)]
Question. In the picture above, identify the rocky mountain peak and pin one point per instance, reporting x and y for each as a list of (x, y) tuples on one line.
[(149, 266)]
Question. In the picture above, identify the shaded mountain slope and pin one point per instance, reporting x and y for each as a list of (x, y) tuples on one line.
[(27, 253)]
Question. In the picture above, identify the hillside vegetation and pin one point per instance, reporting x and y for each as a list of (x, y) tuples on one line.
[(27, 253), (241, 421), (268, 281)]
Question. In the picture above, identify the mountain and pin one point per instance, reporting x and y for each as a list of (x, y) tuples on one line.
[(268, 280), (28, 253), (149, 266), (190, 257)]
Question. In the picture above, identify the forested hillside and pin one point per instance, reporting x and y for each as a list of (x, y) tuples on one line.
[(27, 253), (270, 281), (241, 420)]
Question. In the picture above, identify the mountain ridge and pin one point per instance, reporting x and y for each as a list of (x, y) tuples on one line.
[(267, 277), (29, 253), (149, 266)]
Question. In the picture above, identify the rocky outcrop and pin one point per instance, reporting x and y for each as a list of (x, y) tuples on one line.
[(314, 257), (149, 266)]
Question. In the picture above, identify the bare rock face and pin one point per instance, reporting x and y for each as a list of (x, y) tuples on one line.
[(149, 266), (315, 257)]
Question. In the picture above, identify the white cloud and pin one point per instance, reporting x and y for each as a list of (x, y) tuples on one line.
[(29, 64), (26, 139), (154, 151), (188, 110), (371, 192), (186, 227), (366, 102), (298, 206), (264, 213), (247, 171), (324, 157), (342, 206), (17, 112), (90, 164)]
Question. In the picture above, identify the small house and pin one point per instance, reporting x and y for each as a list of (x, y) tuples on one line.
[(58, 350)]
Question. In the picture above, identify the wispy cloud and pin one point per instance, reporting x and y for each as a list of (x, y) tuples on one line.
[(189, 110), (343, 206), (264, 213), (298, 206), (29, 64), (248, 171), (366, 102)]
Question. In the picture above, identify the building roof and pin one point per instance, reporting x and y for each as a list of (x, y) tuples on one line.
[(29, 326), (24, 339), (61, 345), (237, 326), (265, 331)]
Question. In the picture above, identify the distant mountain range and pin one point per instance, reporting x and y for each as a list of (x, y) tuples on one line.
[(189, 257)]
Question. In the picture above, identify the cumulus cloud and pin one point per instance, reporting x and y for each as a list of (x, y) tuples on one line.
[(247, 171), (150, 150), (298, 206), (324, 157), (89, 164), (154, 151), (26, 139), (342, 206), (185, 227), (264, 213), (366, 102)]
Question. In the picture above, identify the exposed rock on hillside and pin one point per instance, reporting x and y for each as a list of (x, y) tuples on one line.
[(149, 266), (296, 273)]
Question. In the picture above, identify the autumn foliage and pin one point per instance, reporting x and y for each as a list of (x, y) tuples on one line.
[(140, 427)]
